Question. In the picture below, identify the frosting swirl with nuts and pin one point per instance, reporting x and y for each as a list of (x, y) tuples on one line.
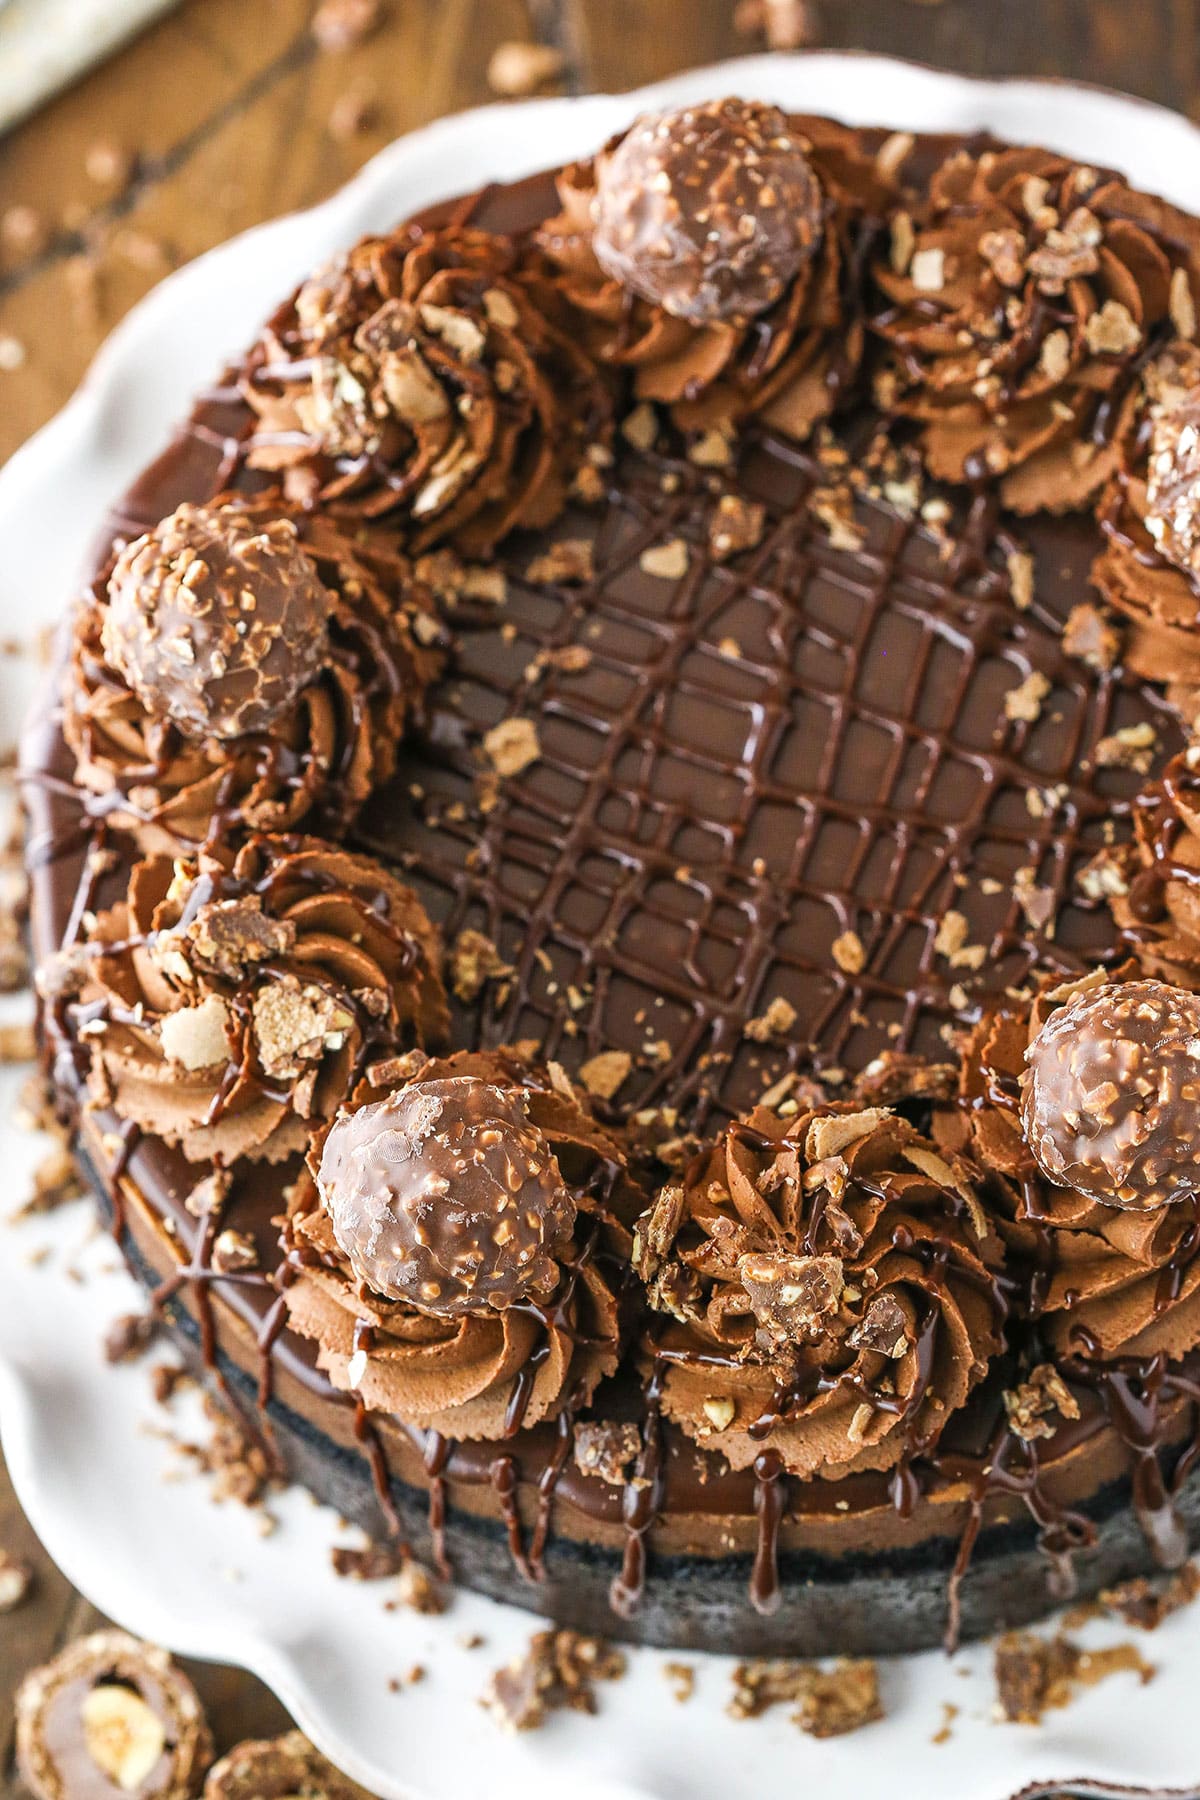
[(317, 758), (831, 1286), (429, 375), (802, 349), (1149, 568), (476, 1338), (229, 1010), (1015, 304), (1156, 881)]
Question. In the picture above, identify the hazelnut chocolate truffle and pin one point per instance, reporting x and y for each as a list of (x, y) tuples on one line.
[(282, 1768), (445, 1195), (1173, 484), (709, 211), (111, 1717), (1111, 1095), (216, 620)]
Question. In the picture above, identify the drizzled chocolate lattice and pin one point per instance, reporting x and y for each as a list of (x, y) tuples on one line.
[(803, 777)]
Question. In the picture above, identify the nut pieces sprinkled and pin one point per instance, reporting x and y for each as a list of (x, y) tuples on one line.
[(1110, 1096), (445, 1195), (708, 211), (216, 620)]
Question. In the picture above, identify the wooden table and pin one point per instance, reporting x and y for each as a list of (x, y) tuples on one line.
[(227, 112)]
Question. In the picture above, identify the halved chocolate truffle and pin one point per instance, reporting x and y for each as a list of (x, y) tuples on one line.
[(111, 1716), (1112, 1091), (708, 211), (216, 620)]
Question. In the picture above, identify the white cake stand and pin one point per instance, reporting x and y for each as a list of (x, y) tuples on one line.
[(162, 1559)]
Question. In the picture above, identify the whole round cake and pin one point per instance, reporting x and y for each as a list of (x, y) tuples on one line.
[(616, 882)]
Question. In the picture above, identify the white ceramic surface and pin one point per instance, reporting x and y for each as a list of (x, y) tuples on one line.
[(163, 1560), (46, 43)]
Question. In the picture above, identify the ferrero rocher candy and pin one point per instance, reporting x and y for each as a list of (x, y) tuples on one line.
[(282, 1768), (445, 1195), (217, 620), (111, 1717), (708, 211), (1173, 483), (1111, 1094)]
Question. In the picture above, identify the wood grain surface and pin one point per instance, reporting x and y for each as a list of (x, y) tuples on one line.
[(228, 112)]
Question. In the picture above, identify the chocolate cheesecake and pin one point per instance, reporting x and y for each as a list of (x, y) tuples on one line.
[(614, 845)]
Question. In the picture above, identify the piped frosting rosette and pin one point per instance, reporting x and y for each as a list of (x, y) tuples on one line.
[(788, 360), (431, 376), (1085, 1097), (186, 723), (1149, 568), (1015, 306), (230, 1008), (462, 1258), (827, 1289)]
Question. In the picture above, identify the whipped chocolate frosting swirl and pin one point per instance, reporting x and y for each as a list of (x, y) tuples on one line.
[(1098, 1277), (1149, 568), (432, 376), (1016, 305), (1156, 880), (230, 1009), (314, 759), (534, 1336), (792, 361), (831, 1285)]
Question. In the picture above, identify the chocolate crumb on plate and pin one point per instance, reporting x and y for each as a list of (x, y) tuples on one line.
[(829, 1701), (558, 1671), (1035, 1675), (377, 1561)]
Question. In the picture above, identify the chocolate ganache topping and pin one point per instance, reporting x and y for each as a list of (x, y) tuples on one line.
[(1016, 303), (783, 343), (430, 375), (1149, 568), (464, 1265), (229, 1009), (314, 758), (832, 1285), (1120, 1281)]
